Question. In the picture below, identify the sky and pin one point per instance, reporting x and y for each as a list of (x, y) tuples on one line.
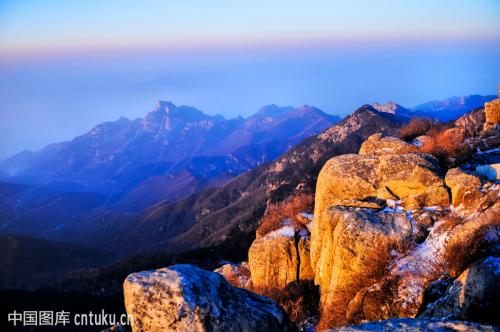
[(66, 66)]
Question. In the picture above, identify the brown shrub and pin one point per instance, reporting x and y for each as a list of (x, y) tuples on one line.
[(236, 275), (299, 300), (334, 313), (448, 146), (448, 221), (277, 213), (418, 127), (460, 254)]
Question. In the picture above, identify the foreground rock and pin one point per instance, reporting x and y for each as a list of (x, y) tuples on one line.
[(492, 112), (490, 172), (373, 263), (464, 187), (474, 295), (472, 122), (400, 293), (418, 325), (186, 298), (279, 258), (377, 144), (350, 248), (356, 180)]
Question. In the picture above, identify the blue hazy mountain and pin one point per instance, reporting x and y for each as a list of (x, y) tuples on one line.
[(452, 108), (171, 152)]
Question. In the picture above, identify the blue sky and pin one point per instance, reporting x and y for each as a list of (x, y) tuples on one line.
[(59, 25), (68, 65)]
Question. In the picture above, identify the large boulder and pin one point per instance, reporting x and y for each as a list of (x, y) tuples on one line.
[(492, 113), (465, 187), (401, 292), (279, 258), (187, 298), (411, 177), (474, 295), (377, 144), (490, 172), (417, 325), (472, 122), (349, 248)]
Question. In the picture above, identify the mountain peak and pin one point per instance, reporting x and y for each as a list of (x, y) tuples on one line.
[(307, 108), (389, 107), (164, 106), (184, 113), (274, 110)]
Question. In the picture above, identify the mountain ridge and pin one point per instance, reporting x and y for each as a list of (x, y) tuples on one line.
[(118, 156)]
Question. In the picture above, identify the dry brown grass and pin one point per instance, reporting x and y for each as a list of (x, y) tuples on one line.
[(334, 313), (418, 127), (277, 213), (448, 146), (460, 254), (234, 278), (449, 220), (298, 300)]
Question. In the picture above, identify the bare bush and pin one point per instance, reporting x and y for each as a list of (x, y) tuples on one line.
[(418, 127), (277, 213), (334, 313), (448, 146), (461, 254), (299, 300)]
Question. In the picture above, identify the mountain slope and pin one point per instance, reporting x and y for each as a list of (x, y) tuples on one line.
[(26, 261), (227, 217), (34, 210)]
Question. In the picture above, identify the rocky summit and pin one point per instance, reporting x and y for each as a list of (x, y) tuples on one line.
[(366, 180)]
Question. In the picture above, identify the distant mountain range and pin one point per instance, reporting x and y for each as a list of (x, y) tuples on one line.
[(442, 110), (452, 108), (171, 152)]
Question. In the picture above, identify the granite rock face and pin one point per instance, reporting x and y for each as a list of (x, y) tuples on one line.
[(358, 180), (383, 231), (351, 247), (187, 298), (279, 258), (474, 295), (492, 112), (400, 293), (464, 187), (377, 144)]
